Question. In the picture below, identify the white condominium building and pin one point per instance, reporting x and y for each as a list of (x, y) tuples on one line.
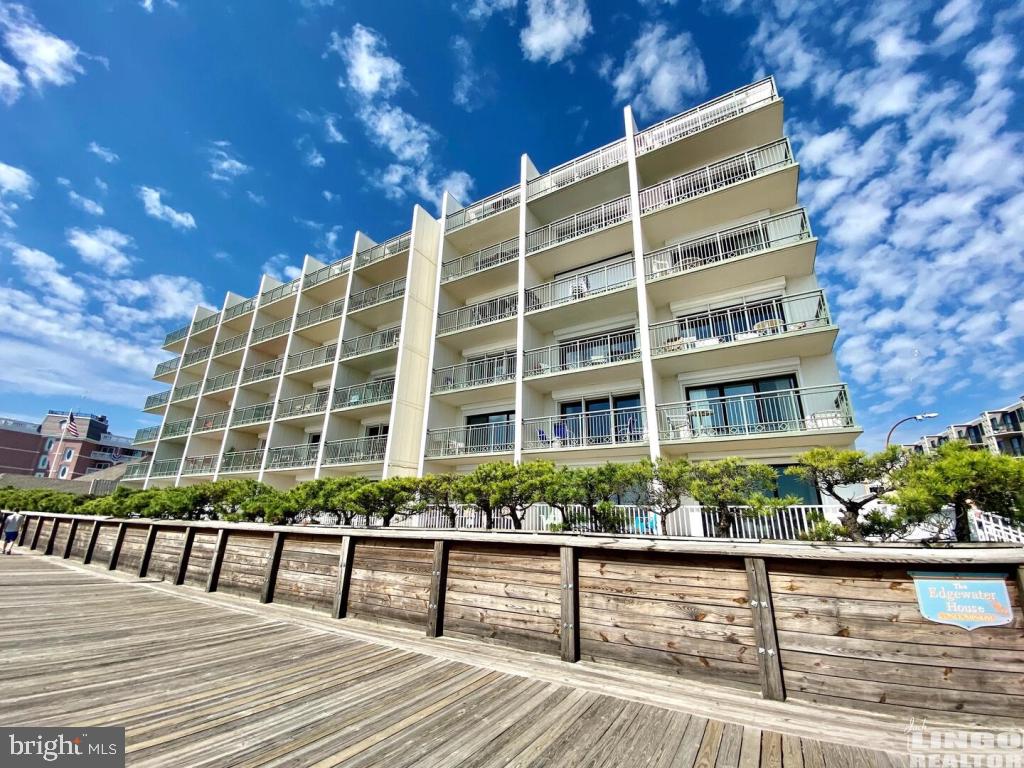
[(654, 297), (1000, 430)]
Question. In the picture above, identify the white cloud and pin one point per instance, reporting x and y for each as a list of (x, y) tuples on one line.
[(255, 198), (466, 88), (329, 196), (43, 271), (660, 73), (104, 154), (148, 5), (403, 135), (311, 156), (10, 83), (277, 267), (101, 185), (14, 183), (556, 29), (369, 71), (157, 209), (956, 19), (332, 135), (481, 10), (86, 204), (46, 59), (225, 165), (104, 247)]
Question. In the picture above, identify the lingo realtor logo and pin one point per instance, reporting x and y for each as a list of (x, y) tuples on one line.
[(78, 747)]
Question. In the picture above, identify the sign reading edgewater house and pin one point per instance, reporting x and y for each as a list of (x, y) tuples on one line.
[(968, 600)]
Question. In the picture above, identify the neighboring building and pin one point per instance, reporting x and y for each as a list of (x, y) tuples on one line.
[(998, 431), (654, 297), (22, 448)]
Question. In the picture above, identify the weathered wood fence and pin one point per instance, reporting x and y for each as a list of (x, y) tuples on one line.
[(827, 623)]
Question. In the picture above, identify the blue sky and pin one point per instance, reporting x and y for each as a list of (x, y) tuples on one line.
[(157, 153)]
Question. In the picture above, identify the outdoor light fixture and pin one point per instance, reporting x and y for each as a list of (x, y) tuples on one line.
[(917, 417)]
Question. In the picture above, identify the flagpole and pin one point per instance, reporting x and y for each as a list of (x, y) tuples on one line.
[(60, 447)]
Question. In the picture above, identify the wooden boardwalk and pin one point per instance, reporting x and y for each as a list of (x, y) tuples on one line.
[(201, 680)]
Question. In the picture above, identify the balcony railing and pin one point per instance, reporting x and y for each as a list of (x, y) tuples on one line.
[(725, 173), (749, 320), (496, 203), (210, 421), (223, 381), (584, 285), (154, 401), (312, 357), (147, 434), (185, 391), (488, 311), (736, 242), (165, 468), (378, 294), (582, 353), (327, 311), (176, 428), (261, 371), (302, 455), (355, 450), (242, 461), (371, 342), (252, 414), (206, 322), (381, 251), (477, 373), (239, 309), (196, 356), (199, 465), (230, 345), (806, 409), (270, 330), (136, 471), (364, 394), (280, 292), (475, 438), (485, 258), (167, 366), (579, 224), (569, 173), (329, 272), (177, 335), (618, 426), (303, 405), (704, 116)]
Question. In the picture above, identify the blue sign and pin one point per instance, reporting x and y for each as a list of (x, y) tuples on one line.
[(968, 600)]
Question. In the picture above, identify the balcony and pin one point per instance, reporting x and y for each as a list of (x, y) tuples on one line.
[(379, 391), (165, 468), (582, 287), (108, 456), (319, 314), (590, 164), (476, 373), (495, 204), (239, 309), (211, 421), (786, 326), (157, 400), (578, 225), (355, 450), (176, 428), (197, 356), (207, 322), (378, 294), (241, 461), (136, 471), (304, 405), (199, 465), (329, 272), (385, 250), (280, 292), (252, 414), (230, 345), (262, 371), (485, 258), (292, 456), (221, 382), (186, 391), (490, 311), (271, 330), (175, 336), (579, 354), (792, 418), (469, 440), (167, 366), (378, 341), (597, 429), (147, 434), (311, 358)]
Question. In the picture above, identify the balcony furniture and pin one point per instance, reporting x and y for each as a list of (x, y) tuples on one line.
[(765, 327), (680, 426), (561, 433), (456, 447), (597, 358), (826, 420), (747, 336), (540, 368), (661, 264), (702, 421), (710, 341)]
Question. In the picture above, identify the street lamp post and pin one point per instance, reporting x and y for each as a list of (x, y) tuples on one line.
[(918, 417)]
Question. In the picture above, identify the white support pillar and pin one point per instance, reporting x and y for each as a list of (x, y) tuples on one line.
[(527, 171)]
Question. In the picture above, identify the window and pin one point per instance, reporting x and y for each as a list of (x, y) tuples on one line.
[(63, 473), (794, 486), (490, 431), (600, 420), (44, 462), (376, 430), (69, 454), (742, 407), (49, 444)]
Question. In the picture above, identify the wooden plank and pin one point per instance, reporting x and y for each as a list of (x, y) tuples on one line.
[(51, 537), (438, 583), (147, 550), (116, 549), (186, 552), (91, 546), (72, 530), (792, 756), (1020, 585), (218, 558), (340, 603), (768, 661), (267, 592), (570, 604), (750, 748)]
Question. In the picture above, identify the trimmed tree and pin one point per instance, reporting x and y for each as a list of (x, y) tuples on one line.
[(441, 491), (734, 488), (480, 488), (388, 498), (669, 487)]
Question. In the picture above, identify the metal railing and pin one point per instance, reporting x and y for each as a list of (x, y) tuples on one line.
[(185, 391), (167, 366), (582, 353), (987, 526), (147, 434), (489, 206), (355, 450), (303, 405), (210, 421), (199, 465), (312, 357), (260, 371), (470, 439), (805, 409), (230, 345), (724, 173), (177, 335), (378, 294), (280, 292), (223, 381), (704, 116), (617, 426), (206, 322), (579, 224), (270, 330), (381, 251), (748, 320), (241, 461), (302, 455), (156, 400), (252, 414), (196, 356), (584, 285), (165, 468), (735, 242), (136, 471), (176, 428), (485, 258), (327, 311), (788, 523), (364, 394), (329, 272), (488, 311), (371, 342), (476, 373), (575, 170), (239, 309)]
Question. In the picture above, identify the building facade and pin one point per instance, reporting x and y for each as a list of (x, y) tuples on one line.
[(654, 297), (1000, 430)]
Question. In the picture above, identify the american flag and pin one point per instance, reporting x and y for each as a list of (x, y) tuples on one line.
[(71, 427)]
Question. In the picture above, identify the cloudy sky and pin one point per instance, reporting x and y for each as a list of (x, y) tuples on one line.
[(157, 153)]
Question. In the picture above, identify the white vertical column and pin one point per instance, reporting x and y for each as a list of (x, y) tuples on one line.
[(527, 171)]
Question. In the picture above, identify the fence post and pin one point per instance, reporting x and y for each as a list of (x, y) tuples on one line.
[(570, 604), (218, 557), (38, 530), (51, 537), (438, 582), (71, 539), (267, 593), (1020, 585), (340, 605), (115, 551), (186, 552), (147, 550), (24, 532), (93, 534), (763, 614)]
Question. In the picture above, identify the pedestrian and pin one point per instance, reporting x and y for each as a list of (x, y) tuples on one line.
[(12, 525)]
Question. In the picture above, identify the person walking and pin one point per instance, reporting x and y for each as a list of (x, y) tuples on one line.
[(12, 525)]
